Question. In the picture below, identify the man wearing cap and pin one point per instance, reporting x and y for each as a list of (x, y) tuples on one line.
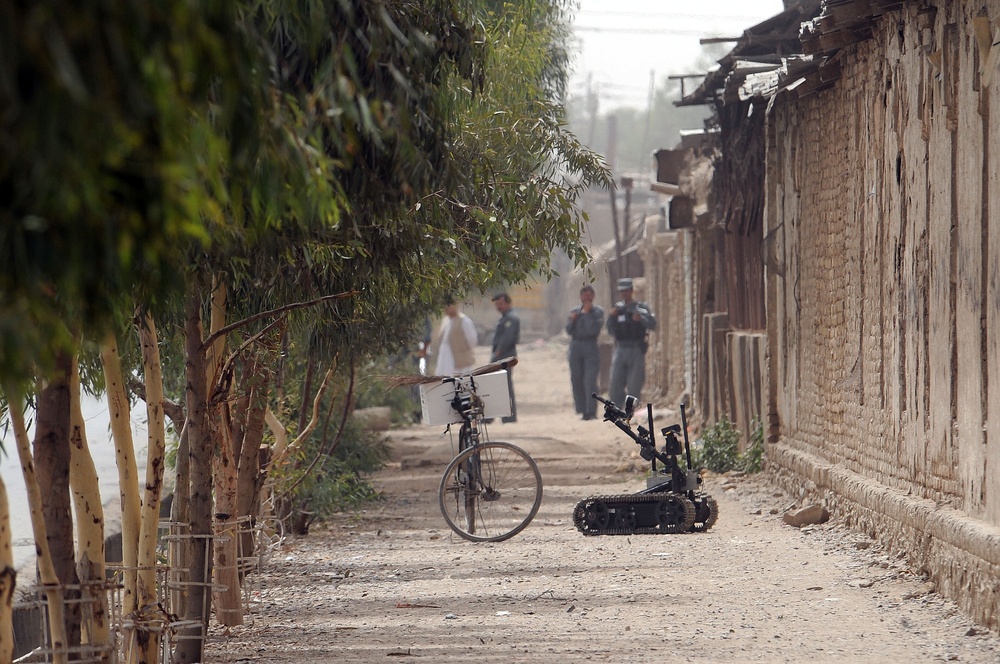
[(628, 323), (583, 326), (505, 339)]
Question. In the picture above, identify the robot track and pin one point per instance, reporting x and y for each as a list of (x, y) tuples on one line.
[(645, 514)]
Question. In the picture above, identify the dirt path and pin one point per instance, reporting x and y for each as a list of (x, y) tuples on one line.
[(394, 582)]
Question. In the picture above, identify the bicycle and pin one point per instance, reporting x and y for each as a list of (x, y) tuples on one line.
[(491, 490)]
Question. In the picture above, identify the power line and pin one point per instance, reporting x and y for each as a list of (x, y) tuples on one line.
[(646, 31), (670, 15), (607, 85)]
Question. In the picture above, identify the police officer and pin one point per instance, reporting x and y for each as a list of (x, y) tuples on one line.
[(628, 323), (505, 340), (583, 326)]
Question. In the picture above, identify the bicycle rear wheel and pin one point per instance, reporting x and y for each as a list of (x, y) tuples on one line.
[(490, 492)]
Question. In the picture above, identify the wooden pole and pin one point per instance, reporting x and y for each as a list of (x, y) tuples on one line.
[(612, 149)]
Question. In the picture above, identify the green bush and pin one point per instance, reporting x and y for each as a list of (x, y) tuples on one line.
[(752, 459), (718, 448), (330, 472), (321, 484)]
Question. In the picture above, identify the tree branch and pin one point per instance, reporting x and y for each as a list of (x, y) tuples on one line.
[(224, 372), (171, 409), (326, 450), (273, 312), (280, 458)]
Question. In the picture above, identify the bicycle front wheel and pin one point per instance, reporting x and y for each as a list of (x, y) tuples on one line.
[(490, 492)]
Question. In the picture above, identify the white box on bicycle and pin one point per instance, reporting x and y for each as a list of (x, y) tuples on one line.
[(436, 398)]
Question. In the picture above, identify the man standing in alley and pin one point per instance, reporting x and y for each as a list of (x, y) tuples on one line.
[(628, 323), (505, 340), (583, 326), (453, 345)]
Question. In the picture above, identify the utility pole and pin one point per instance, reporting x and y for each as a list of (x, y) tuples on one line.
[(643, 156), (591, 108), (612, 148), (627, 184)]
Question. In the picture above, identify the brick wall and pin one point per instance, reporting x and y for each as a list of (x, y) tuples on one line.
[(884, 365)]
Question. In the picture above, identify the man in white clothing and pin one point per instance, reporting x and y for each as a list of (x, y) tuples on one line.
[(454, 342)]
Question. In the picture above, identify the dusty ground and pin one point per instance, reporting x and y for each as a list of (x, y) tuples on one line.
[(393, 582)]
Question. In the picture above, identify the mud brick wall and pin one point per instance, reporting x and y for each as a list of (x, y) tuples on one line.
[(883, 378), (668, 288), (745, 359)]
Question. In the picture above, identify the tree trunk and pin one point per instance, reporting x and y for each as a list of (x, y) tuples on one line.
[(89, 509), (148, 641), (119, 411), (278, 431), (180, 515), (179, 522), (52, 452), (282, 505), (282, 450), (191, 640), (229, 607), (248, 475), (241, 408), (306, 391), (265, 494), (46, 570), (240, 414), (8, 580)]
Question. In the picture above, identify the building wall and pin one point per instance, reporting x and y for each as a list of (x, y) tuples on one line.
[(669, 287), (884, 362)]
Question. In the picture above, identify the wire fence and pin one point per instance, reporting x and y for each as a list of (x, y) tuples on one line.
[(166, 620)]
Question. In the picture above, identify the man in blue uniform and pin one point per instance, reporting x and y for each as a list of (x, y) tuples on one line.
[(628, 323), (505, 339), (583, 326)]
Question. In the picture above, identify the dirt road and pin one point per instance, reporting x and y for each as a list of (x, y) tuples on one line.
[(393, 582)]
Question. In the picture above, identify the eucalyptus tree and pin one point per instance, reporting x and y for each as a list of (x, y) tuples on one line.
[(477, 191), (456, 186), (8, 577), (101, 191), (293, 150), (357, 86), (441, 129)]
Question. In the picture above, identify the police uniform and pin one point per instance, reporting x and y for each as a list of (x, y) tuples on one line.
[(584, 357), (505, 340), (629, 323)]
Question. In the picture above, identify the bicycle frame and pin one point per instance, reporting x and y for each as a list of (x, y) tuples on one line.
[(469, 406), (490, 490), (469, 480)]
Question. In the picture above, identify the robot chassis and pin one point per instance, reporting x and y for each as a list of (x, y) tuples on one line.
[(671, 503)]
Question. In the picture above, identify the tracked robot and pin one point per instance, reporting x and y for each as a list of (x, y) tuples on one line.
[(672, 501)]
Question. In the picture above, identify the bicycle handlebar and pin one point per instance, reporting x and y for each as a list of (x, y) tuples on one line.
[(466, 401), (461, 382)]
